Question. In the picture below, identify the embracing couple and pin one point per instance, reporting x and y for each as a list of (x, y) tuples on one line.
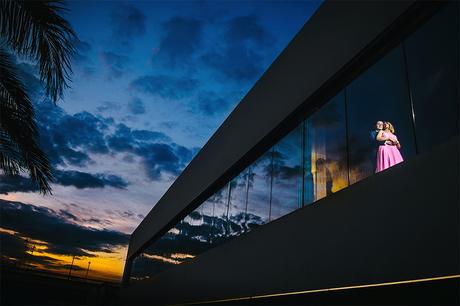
[(387, 152)]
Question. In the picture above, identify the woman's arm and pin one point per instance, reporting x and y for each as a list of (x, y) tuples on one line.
[(380, 136)]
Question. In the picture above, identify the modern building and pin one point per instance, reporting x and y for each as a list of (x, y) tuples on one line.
[(283, 205)]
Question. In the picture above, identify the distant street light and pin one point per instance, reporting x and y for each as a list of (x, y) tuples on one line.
[(71, 265), (87, 270)]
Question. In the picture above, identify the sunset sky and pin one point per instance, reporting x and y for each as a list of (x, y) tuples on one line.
[(151, 83)]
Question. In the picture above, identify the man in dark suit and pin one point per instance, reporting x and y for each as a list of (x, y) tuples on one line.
[(375, 142)]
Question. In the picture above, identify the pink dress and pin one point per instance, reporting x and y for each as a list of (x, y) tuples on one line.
[(388, 155)]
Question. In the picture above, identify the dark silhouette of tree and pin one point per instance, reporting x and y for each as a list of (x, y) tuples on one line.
[(35, 30)]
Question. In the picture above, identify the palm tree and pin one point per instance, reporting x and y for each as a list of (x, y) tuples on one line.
[(35, 30)]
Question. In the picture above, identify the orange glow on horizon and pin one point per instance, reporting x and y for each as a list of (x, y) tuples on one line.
[(104, 266)]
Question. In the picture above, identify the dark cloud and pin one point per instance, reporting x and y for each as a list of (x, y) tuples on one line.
[(107, 106), (146, 135), (209, 103), (246, 29), (136, 106), (165, 86), (84, 129), (28, 74), (69, 140), (127, 22), (17, 247), (82, 180), (12, 245), (68, 216), (240, 56), (82, 58), (159, 157), (181, 38), (168, 124), (42, 223), (16, 183), (73, 178), (115, 64), (240, 63)]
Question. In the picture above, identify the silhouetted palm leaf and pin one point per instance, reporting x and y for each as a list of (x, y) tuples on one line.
[(35, 29), (19, 150)]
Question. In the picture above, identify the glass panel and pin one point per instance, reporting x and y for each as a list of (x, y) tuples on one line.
[(380, 93), (432, 59), (287, 174), (168, 251), (194, 233), (237, 208), (259, 191), (220, 226), (208, 218), (136, 269), (325, 151)]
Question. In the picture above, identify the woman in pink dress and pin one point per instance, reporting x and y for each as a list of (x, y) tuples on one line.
[(388, 154)]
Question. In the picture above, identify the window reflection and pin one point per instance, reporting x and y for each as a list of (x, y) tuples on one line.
[(325, 151), (207, 211), (432, 60), (171, 249), (237, 204), (380, 93), (287, 174), (220, 226), (259, 191)]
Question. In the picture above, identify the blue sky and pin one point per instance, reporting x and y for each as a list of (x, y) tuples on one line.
[(151, 83)]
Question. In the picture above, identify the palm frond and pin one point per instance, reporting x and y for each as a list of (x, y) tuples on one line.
[(35, 28), (19, 148)]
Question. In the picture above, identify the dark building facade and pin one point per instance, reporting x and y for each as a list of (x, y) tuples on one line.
[(283, 203)]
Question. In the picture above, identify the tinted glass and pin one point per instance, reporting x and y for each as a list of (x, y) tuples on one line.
[(380, 93), (220, 226), (259, 191), (287, 174), (171, 249), (432, 59), (325, 151), (237, 204), (194, 233), (208, 218)]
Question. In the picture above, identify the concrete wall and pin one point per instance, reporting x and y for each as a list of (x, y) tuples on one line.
[(400, 224), (330, 40)]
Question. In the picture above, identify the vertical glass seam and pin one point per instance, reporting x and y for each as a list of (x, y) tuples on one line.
[(271, 184), (247, 190), (248, 172), (212, 221), (411, 100), (227, 226), (345, 101), (303, 162)]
